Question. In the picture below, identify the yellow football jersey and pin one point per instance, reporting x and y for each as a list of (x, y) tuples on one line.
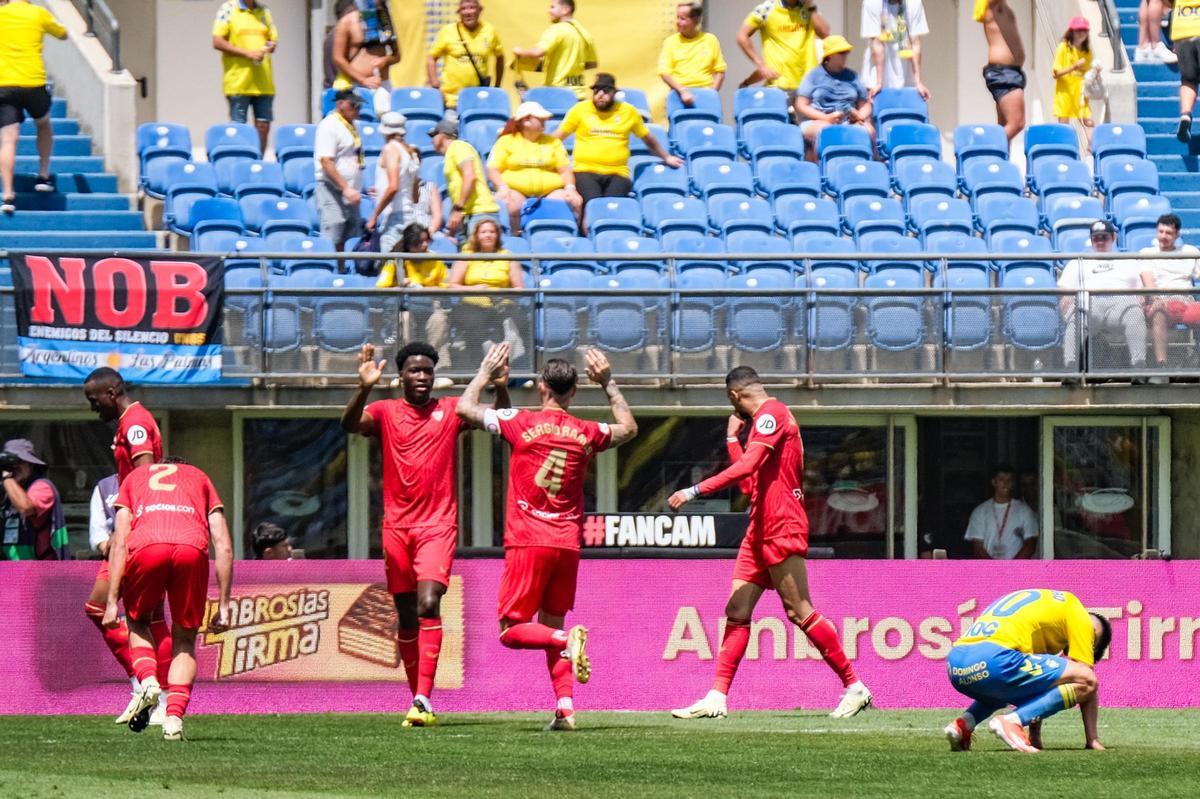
[(1036, 621)]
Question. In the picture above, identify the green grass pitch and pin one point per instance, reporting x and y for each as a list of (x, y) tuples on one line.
[(628, 755)]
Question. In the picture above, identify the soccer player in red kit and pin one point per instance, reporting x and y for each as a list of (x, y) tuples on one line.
[(544, 516), (419, 438), (166, 515), (776, 543), (136, 442)]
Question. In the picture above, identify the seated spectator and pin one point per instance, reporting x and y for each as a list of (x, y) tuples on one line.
[(396, 174), (691, 58), (466, 182), (832, 94), (893, 30), (1107, 310), (527, 162), (1003, 527), (270, 542), (338, 157), (480, 319), (423, 274), (35, 527), (1172, 274)]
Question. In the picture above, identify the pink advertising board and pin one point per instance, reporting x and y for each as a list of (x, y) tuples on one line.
[(315, 636)]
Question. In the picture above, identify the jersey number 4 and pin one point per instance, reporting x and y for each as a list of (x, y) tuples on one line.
[(550, 475)]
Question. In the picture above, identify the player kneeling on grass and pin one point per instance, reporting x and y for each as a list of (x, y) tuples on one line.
[(771, 470), (544, 516), (1035, 649), (166, 515)]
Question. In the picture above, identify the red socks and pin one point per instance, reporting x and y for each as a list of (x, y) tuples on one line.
[(177, 699), (162, 648), (143, 661), (824, 637), (408, 656), (733, 647), (531, 635), (117, 637), (561, 676), (429, 639)]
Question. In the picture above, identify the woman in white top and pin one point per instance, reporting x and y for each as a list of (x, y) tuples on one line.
[(396, 182)]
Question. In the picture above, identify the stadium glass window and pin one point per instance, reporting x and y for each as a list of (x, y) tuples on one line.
[(295, 475), (1108, 479)]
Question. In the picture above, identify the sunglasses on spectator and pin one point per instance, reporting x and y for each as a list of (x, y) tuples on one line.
[(1101, 236)]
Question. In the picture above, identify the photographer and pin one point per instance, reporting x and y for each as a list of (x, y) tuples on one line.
[(34, 525)]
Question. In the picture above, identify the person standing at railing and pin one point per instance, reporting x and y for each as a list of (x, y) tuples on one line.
[(245, 35), (1185, 33), (1004, 74), (1072, 60), (893, 30), (464, 48), (23, 91), (1175, 274)]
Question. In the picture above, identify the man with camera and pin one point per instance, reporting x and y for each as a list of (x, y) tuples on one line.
[(34, 525)]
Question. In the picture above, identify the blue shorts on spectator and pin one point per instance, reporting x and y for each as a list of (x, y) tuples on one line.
[(240, 104)]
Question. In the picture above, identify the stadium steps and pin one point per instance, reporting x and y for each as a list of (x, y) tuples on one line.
[(86, 211)]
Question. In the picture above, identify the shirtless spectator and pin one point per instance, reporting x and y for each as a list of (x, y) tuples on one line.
[(363, 56), (1003, 74)]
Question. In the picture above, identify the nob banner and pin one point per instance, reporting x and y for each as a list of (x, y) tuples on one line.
[(156, 320)]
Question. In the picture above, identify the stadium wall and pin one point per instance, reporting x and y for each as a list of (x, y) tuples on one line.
[(315, 637)]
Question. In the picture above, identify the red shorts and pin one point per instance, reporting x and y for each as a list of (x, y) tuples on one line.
[(537, 579), (178, 571), (415, 554), (757, 555), (1183, 311)]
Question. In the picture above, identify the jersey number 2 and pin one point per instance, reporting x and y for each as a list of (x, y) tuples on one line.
[(159, 472), (550, 475)]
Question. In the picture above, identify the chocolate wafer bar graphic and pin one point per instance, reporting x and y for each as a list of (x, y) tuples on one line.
[(368, 630)]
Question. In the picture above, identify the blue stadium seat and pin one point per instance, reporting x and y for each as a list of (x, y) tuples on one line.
[(187, 183), (265, 214), (918, 176), (221, 241), (909, 139), (298, 177), (215, 213), (1031, 321), (895, 322), (367, 111), (1073, 239), (728, 213), (1010, 242), (372, 139), (618, 324), (968, 317), (232, 139), (553, 241), (1043, 141), (843, 141), (713, 176), (756, 242), (663, 213), (975, 141), (253, 177), (418, 103), (613, 213), (294, 141), (932, 213), (639, 147), (418, 134), (483, 102), (756, 103), (770, 138), (755, 323), (162, 139), (1067, 211), (997, 212), (558, 100), (517, 245), (661, 179), (1138, 211), (1125, 174), (831, 316), (699, 138), (1061, 176), (893, 105), (894, 244), (621, 242), (155, 176), (955, 243), (550, 215), (1138, 239), (796, 213), (294, 241), (706, 106), (777, 175), (987, 175), (433, 171), (818, 241), (638, 99), (854, 178), (1112, 139), (690, 242), (694, 319), (864, 214), (482, 134)]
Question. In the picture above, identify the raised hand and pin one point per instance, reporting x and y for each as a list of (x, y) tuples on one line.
[(598, 368), (734, 426), (495, 363), (369, 371)]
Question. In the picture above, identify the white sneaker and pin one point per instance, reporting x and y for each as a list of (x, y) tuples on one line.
[(581, 666), (127, 713), (562, 722), (712, 706), (855, 700), (1143, 55), (172, 727), (1164, 53), (159, 714)]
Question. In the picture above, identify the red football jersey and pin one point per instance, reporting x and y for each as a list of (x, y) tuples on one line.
[(550, 455), (137, 432), (170, 503), (777, 492), (420, 457)]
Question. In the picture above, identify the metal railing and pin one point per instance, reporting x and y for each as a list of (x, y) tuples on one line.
[(1110, 28), (102, 23)]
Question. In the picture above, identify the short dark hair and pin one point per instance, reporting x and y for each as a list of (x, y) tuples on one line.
[(1100, 646), (1003, 468), (568, 3), (415, 349), (559, 376), (265, 536), (741, 376), (411, 236), (1171, 221), (695, 10), (175, 459), (343, 7), (106, 375)]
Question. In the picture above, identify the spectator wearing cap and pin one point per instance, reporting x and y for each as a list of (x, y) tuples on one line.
[(1103, 311), (338, 158), (397, 182), (1170, 274), (691, 58), (464, 48), (602, 126), (527, 162), (270, 542), (893, 30), (832, 94), (35, 527), (565, 50), (245, 35), (1072, 60), (466, 181), (789, 30)]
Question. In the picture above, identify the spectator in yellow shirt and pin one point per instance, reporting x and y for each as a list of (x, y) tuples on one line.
[(23, 90), (480, 319), (466, 183), (464, 48), (1072, 60), (789, 30), (602, 127), (527, 162), (566, 49), (245, 35), (423, 274), (691, 58)]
